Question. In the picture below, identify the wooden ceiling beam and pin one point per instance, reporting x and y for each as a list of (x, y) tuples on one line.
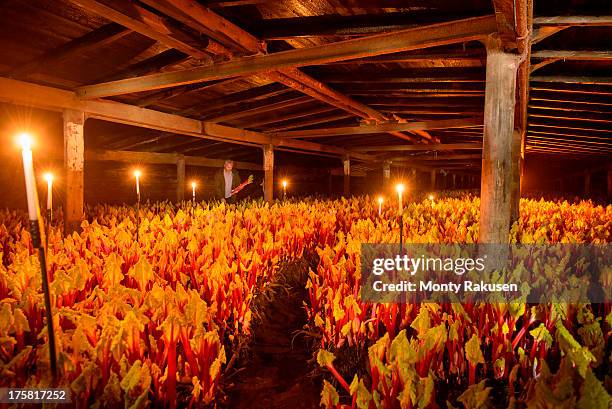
[(143, 21), (298, 80), (149, 65), (257, 108), (573, 79), (452, 60), (411, 39), (382, 128), (161, 159), (166, 94), (432, 147), (287, 116), (385, 79), (309, 122), (547, 95), (573, 21), (573, 55), (436, 158), (95, 39), (352, 25), (204, 20), (27, 94), (194, 15)]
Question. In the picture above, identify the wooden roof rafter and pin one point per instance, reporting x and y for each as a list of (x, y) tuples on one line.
[(200, 18), (411, 39)]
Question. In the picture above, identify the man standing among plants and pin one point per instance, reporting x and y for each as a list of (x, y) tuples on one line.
[(226, 180)]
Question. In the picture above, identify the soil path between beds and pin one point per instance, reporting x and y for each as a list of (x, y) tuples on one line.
[(276, 375)]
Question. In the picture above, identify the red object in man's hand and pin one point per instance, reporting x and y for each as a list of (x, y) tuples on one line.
[(242, 185)]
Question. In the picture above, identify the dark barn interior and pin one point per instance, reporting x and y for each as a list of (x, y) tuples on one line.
[(371, 129)]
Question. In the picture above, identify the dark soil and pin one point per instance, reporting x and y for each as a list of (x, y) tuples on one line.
[(277, 372)]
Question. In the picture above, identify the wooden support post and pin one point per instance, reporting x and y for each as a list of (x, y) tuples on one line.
[(587, 184), (346, 162), (180, 179), (74, 146), (454, 181), (268, 165), (515, 177), (387, 176), (495, 191), (433, 180)]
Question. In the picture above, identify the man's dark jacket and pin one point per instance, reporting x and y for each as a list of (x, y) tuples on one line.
[(220, 183)]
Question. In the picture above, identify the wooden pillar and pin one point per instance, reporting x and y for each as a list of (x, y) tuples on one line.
[(387, 175), (587, 184), (433, 180), (268, 165), (346, 162), (495, 190), (180, 178), (454, 181), (74, 146), (515, 180)]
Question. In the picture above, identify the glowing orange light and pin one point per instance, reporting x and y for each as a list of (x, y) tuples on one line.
[(25, 141)]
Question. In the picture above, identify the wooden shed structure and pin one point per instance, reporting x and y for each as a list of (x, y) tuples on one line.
[(345, 87)]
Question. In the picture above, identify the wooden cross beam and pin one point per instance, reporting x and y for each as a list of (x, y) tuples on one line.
[(410, 39), (382, 128), (27, 94)]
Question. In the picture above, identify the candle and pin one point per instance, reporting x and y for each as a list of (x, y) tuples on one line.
[(49, 179), (284, 188), (38, 238), (380, 202), (137, 176), (25, 141), (193, 187), (400, 191)]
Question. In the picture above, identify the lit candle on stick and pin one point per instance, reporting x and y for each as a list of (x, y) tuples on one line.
[(137, 176), (400, 191), (284, 189), (380, 202), (28, 169), (37, 233), (193, 187), (49, 179)]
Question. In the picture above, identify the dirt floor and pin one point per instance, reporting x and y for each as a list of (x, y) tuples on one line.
[(276, 374)]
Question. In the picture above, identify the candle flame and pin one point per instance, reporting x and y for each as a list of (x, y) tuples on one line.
[(400, 188), (284, 183), (380, 199), (431, 197), (193, 185), (137, 173), (48, 177), (25, 141)]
